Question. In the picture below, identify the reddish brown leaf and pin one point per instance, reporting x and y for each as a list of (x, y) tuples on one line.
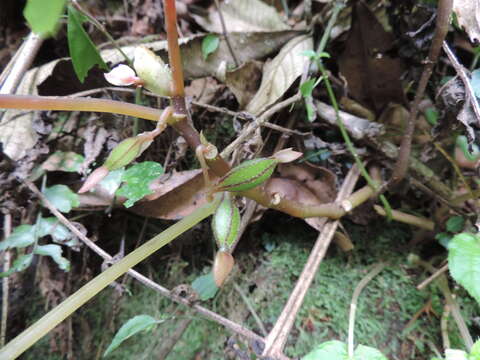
[(373, 75)]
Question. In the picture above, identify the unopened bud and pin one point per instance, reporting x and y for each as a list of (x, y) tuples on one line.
[(155, 74), (247, 175), (93, 179), (226, 223), (222, 267), (286, 155), (127, 151), (122, 75)]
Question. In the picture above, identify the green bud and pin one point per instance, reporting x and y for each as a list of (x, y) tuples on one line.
[(225, 223), (154, 73), (127, 151), (247, 175)]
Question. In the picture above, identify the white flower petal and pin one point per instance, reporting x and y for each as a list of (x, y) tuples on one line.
[(121, 75)]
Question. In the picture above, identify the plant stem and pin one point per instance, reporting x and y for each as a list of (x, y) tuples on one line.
[(353, 305), (441, 29), (348, 141), (45, 324), (30, 102), (407, 218), (174, 55)]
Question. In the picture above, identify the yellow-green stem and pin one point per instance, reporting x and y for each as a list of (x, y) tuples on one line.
[(45, 324), (29, 102)]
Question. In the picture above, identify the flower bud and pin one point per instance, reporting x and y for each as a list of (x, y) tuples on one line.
[(156, 76), (122, 75), (127, 151), (225, 223), (222, 267), (93, 179), (247, 175), (286, 155)]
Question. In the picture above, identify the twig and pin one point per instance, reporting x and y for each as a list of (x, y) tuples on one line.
[(432, 277), (451, 302), (239, 329), (275, 341), (462, 72), (23, 60), (353, 305), (407, 218), (251, 309), (7, 229), (225, 33), (444, 327), (168, 342), (441, 29), (259, 122)]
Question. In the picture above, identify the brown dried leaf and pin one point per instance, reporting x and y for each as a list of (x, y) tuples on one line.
[(280, 73), (373, 75), (242, 16), (244, 81), (468, 16)]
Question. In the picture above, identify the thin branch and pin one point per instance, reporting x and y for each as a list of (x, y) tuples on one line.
[(225, 34), (353, 304), (275, 341), (7, 229), (23, 60), (407, 218), (246, 133), (232, 326), (432, 277), (441, 29), (250, 307)]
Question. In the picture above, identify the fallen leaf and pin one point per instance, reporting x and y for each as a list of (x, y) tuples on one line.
[(468, 16), (244, 81), (373, 76), (280, 73), (242, 16)]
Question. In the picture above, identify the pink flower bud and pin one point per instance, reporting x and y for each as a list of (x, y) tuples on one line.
[(93, 179), (122, 75)]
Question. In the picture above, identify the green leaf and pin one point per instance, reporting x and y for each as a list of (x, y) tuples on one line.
[(82, 50), (475, 351), (133, 326), (20, 264), (226, 222), (62, 197), (137, 181), (127, 151), (112, 181), (431, 115), (310, 112), (63, 161), (464, 262), (475, 82), (59, 232), (363, 352), (55, 252), (462, 144), (443, 238), (43, 16), (22, 236), (455, 224), (330, 350), (247, 175), (307, 87), (205, 286), (209, 45)]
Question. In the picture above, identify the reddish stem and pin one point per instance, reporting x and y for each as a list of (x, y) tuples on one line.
[(174, 55)]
